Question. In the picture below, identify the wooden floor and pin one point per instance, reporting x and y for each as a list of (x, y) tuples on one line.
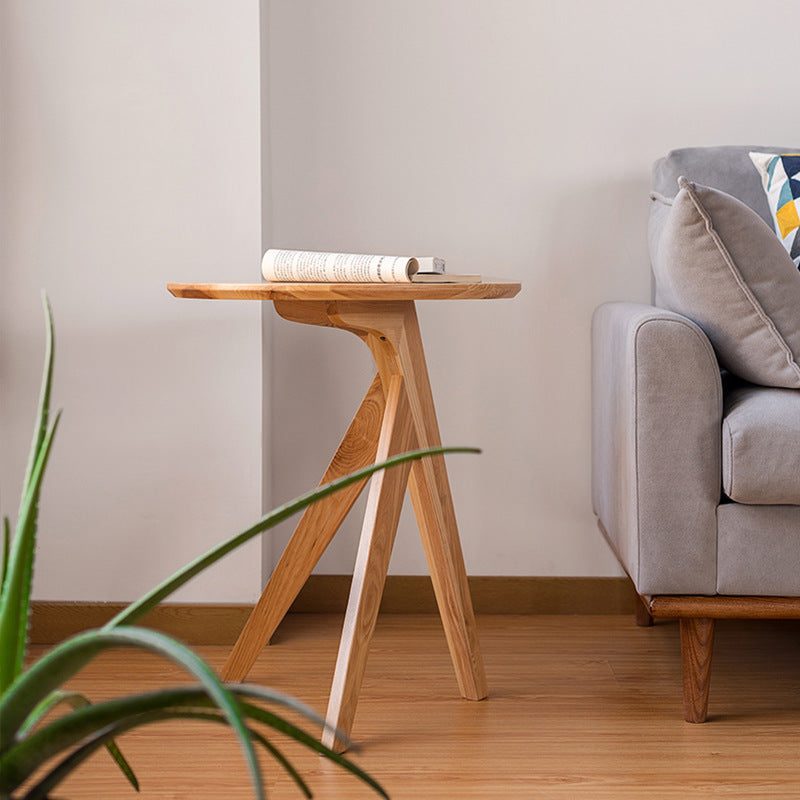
[(579, 708)]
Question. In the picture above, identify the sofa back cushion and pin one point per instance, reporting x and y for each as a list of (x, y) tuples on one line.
[(727, 168)]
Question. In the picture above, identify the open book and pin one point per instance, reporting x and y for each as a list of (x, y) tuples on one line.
[(304, 266)]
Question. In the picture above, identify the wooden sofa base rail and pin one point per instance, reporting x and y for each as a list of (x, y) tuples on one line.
[(697, 615)]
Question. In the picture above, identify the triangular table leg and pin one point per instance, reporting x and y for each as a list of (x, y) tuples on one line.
[(313, 534)]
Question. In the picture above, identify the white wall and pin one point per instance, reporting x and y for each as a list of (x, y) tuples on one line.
[(130, 157), (514, 138)]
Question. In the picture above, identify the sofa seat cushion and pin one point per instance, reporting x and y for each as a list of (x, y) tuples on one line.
[(758, 550), (761, 446)]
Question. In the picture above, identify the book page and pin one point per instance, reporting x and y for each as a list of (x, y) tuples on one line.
[(312, 267)]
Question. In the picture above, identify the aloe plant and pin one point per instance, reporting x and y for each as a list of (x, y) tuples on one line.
[(38, 751)]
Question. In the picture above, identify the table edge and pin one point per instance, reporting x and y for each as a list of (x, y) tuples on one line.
[(486, 290)]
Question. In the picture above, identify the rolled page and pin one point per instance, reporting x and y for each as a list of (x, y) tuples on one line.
[(431, 264), (305, 266)]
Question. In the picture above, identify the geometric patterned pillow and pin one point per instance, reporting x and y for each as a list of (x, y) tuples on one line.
[(780, 176)]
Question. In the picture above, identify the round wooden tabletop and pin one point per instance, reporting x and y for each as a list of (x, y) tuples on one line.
[(486, 290)]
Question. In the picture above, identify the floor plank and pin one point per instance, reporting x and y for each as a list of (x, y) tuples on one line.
[(579, 707)]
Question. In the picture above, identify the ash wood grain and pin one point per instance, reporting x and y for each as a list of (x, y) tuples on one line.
[(697, 647), (313, 534), (384, 503), (582, 708), (487, 290)]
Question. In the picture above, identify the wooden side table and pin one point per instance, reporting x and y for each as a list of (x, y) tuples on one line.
[(397, 414)]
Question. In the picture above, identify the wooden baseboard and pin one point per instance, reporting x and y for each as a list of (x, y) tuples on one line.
[(413, 594), (192, 623), (199, 624)]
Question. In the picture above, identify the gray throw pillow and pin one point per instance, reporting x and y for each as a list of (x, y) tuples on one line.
[(718, 263)]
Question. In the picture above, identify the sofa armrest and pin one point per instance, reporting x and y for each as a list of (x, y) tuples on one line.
[(656, 446)]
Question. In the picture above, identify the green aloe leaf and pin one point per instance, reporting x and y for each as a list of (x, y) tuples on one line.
[(268, 695), (71, 728), (18, 565), (283, 761), (15, 598), (75, 700), (44, 395), (87, 723), (41, 790), (6, 549), (96, 725), (19, 759), (146, 603), (299, 735)]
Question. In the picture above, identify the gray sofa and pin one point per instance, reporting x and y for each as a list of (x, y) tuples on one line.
[(696, 410)]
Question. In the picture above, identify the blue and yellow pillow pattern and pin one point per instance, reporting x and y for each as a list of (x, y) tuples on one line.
[(780, 175)]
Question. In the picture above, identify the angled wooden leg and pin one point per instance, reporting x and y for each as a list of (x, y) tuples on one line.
[(384, 504), (697, 644), (313, 534), (433, 505)]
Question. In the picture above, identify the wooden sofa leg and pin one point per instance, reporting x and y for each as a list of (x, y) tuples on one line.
[(697, 643), (643, 616)]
